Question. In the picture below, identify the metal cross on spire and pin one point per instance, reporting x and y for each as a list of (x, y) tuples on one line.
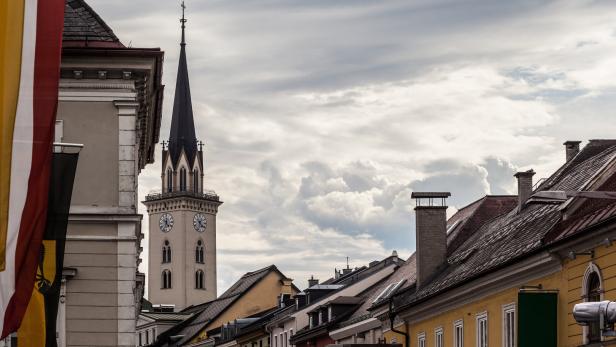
[(183, 21)]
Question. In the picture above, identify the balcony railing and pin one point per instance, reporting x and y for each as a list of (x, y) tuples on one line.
[(207, 195)]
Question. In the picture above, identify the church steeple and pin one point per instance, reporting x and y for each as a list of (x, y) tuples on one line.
[(182, 135)]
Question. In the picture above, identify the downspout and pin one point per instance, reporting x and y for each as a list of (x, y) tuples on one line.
[(392, 317)]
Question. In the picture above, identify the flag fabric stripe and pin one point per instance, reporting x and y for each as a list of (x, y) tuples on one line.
[(20, 169), (11, 32), (32, 143)]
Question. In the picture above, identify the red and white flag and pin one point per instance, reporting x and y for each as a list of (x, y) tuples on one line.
[(30, 49)]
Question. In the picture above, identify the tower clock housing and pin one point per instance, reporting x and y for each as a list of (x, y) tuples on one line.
[(182, 217)]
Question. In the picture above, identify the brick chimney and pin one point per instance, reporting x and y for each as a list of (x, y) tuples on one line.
[(525, 187), (572, 148), (430, 233)]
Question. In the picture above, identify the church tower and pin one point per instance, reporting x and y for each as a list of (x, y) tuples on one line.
[(182, 246)]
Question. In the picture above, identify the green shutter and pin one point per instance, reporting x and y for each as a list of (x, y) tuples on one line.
[(537, 319)]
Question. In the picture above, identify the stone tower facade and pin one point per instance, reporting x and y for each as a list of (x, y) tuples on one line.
[(182, 246)]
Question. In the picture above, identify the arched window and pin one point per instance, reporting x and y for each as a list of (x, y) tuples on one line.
[(592, 290), (166, 279), (196, 181), (199, 279), (169, 180), (594, 294), (183, 179), (166, 252), (199, 253)]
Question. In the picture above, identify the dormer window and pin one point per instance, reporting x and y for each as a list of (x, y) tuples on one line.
[(329, 313), (311, 320), (320, 317)]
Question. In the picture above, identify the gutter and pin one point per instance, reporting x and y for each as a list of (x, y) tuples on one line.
[(392, 317)]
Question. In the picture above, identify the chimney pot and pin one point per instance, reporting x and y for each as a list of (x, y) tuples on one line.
[(525, 186), (430, 233), (572, 148)]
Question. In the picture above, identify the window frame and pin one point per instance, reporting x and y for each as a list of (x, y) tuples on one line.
[(199, 279), (509, 309), (196, 180), (200, 252), (591, 269), (481, 318), (166, 279), (438, 332), (458, 324), (183, 179), (421, 339)]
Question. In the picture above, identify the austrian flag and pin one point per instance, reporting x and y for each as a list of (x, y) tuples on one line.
[(30, 48)]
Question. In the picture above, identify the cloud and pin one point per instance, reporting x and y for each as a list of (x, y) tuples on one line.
[(321, 117)]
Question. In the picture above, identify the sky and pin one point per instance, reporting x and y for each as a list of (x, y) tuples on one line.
[(320, 117)]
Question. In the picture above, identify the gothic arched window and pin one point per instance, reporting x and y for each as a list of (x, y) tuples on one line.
[(592, 290), (166, 279), (199, 279), (594, 294), (199, 253), (183, 179), (196, 181), (166, 252), (169, 180)]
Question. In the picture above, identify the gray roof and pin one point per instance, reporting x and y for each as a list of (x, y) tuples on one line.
[(514, 234), (84, 27)]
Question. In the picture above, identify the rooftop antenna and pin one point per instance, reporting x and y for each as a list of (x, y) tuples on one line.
[(183, 21)]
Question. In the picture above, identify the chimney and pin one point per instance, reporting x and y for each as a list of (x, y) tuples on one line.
[(430, 233), (525, 187), (572, 148), (312, 281)]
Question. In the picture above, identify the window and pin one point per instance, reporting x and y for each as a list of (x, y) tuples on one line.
[(509, 336), (320, 317), (329, 313), (183, 179), (438, 337), (482, 330), (196, 181), (311, 320), (166, 279), (199, 279), (458, 333), (166, 252), (140, 339), (389, 290), (276, 341), (169, 180), (199, 253), (594, 294), (147, 337), (421, 340), (286, 339)]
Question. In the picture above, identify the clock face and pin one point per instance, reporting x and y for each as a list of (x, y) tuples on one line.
[(166, 222), (199, 222)]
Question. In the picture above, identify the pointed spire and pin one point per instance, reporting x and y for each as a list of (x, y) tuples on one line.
[(183, 21), (182, 135)]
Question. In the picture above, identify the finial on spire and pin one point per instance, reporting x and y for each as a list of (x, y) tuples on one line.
[(183, 21)]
